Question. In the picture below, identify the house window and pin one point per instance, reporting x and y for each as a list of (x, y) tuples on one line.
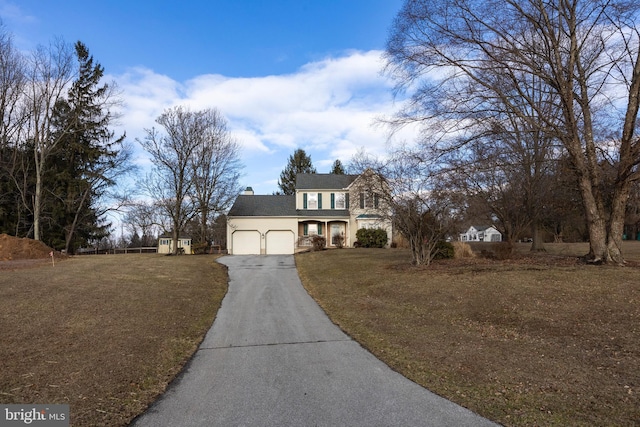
[(369, 225), (369, 200), (339, 201), (312, 229), (312, 200)]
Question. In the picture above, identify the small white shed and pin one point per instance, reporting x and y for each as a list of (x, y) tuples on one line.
[(165, 244)]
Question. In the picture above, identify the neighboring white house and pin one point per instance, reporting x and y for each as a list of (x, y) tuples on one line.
[(165, 244), (481, 234), (330, 205)]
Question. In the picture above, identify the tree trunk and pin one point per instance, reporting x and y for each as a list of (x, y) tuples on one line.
[(418, 251), (594, 214), (537, 245), (616, 224), (174, 236), (37, 202), (74, 224), (597, 229), (203, 226)]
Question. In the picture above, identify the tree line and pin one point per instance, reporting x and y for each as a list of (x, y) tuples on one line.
[(62, 168), (59, 160), (527, 112)]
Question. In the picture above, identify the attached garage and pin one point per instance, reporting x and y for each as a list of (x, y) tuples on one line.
[(262, 225), (246, 242), (279, 242)]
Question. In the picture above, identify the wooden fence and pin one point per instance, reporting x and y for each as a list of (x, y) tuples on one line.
[(92, 251)]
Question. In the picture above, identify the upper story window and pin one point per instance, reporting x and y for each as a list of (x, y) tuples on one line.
[(339, 201), (312, 201), (369, 200)]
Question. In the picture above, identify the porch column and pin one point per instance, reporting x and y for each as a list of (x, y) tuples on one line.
[(327, 232)]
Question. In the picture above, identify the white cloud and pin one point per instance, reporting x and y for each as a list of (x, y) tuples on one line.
[(14, 14), (328, 108)]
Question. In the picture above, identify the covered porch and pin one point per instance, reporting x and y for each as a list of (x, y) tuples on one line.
[(335, 231)]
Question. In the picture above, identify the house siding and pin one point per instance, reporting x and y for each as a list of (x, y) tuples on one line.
[(165, 245), (262, 225), (481, 234)]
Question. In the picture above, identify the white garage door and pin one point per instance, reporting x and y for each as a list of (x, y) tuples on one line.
[(246, 242), (279, 242)]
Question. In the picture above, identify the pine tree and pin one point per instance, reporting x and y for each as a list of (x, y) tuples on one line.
[(87, 151), (299, 162), (337, 168)]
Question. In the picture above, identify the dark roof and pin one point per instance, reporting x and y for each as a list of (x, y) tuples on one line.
[(323, 181), (323, 212), (248, 205), (482, 227)]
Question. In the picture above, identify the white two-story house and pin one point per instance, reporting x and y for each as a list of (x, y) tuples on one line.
[(328, 205)]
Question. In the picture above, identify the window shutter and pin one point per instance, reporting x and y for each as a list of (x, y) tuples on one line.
[(304, 202), (305, 228), (319, 200), (320, 229), (361, 200), (333, 200), (346, 201)]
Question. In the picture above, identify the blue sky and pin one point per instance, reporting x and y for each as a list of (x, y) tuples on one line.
[(286, 74)]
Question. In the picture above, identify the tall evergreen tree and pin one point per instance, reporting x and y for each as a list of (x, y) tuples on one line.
[(337, 168), (299, 162), (86, 155)]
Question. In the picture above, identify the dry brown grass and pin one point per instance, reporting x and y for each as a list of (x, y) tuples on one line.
[(538, 341), (463, 250), (104, 333)]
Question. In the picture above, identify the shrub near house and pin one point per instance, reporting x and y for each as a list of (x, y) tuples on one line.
[(372, 237)]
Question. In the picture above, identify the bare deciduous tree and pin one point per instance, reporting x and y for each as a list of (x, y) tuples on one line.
[(12, 81), (461, 58), (216, 171), (171, 181), (50, 71), (411, 197), (12, 117), (196, 166)]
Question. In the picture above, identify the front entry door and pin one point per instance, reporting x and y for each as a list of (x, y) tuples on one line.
[(337, 233)]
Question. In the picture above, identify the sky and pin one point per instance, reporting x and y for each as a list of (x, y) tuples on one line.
[(285, 74)]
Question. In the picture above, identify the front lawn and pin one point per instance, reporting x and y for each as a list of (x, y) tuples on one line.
[(537, 341), (103, 333)]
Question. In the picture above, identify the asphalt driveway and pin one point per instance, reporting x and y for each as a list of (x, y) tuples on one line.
[(273, 358)]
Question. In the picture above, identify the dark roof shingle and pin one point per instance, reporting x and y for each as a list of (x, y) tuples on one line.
[(323, 181), (264, 205)]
